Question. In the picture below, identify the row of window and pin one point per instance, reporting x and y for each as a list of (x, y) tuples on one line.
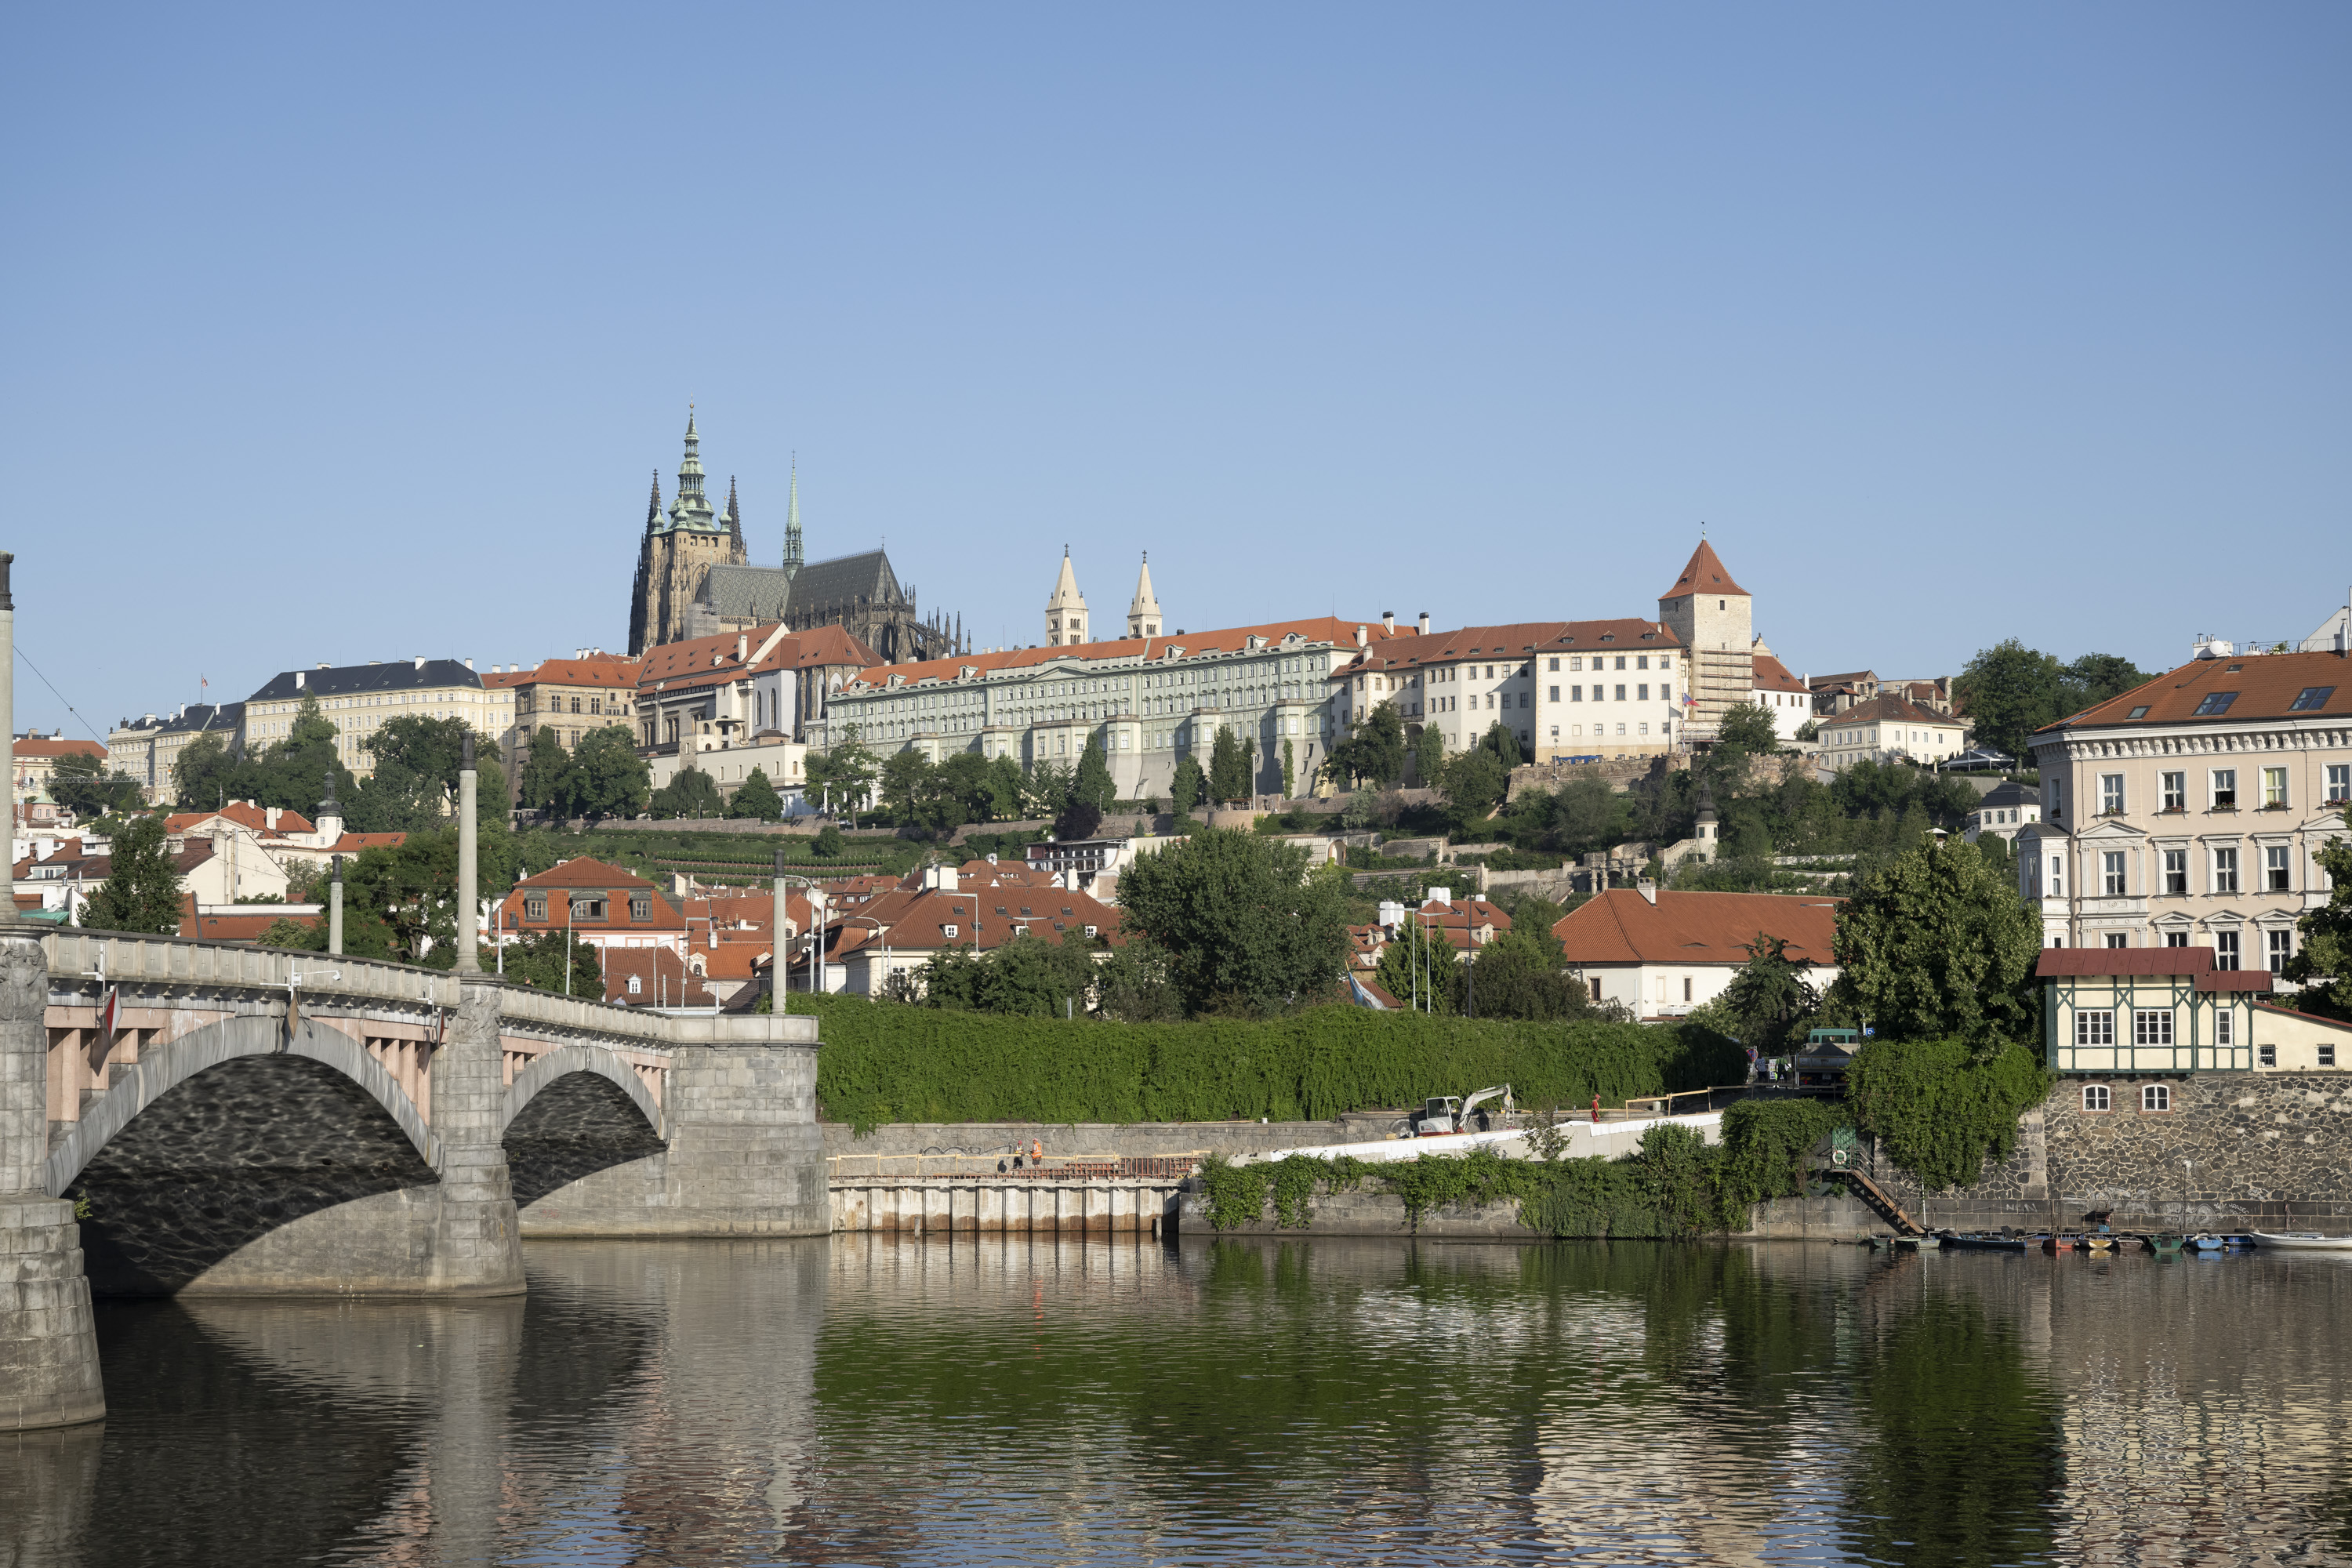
[(2278, 946), (2152, 1097), (2277, 874), (2221, 789), (589, 907), (2096, 1027)]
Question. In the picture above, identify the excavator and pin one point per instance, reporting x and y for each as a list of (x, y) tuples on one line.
[(1443, 1114)]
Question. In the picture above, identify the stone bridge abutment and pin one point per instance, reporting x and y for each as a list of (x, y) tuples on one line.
[(261, 1123)]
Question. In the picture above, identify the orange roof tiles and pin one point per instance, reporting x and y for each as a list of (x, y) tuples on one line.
[(608, 670), (1704, 575), (23, 751), (700, 661), (1771, 674), (2261, 686), (1621, 926), (245, 813), (1229, 639)]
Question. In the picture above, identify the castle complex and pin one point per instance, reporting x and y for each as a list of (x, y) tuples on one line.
[(694, 580)]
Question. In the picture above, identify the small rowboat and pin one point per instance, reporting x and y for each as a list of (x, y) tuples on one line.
[(2206, 1241), (2304, 1240), (2165, 1243)]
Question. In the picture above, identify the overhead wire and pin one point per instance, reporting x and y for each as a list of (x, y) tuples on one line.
[(60, 696)]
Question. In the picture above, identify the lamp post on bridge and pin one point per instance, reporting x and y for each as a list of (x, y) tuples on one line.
[(468, 962), (777, 988)]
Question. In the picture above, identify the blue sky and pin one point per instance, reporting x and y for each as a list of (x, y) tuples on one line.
[(336, 334)]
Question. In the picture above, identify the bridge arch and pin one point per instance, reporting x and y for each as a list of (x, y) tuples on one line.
[(562, 1062), (163, 1068)]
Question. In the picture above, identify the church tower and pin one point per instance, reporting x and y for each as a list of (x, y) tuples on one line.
[(1715, 619), (793, 561), (1143, 611), (679, 547), (1065, 612)]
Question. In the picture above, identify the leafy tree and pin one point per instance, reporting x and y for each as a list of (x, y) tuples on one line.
[(1131, 985), (1770, 999), (297, 936), (1004, 783), (1502, 741), (392, 799), (540, 962), (82, 785), (904, 774), (1093, 784), (1750, 727), (1428, 756), (1241, 924), (543, 767), (1029, 977), (400, 901), (844, 776), (1517, 976), (1420, 968), (141, 890), (2009, 690), (1809, 730), (1079, 820), (1934, 947), (828, 843), (2095, 678), (691, 793), (1474, 782), (201, 773), (607, 778), (2322, 962), (1047, 788), (756, 797), (1184, 789), (1228, 768), (1289, 771), (1374, 750), (432, 748)]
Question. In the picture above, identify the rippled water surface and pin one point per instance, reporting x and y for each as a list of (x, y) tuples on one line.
[(1313, 1401)]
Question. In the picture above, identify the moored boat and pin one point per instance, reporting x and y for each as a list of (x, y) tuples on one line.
[(1983, 1241), (2303, 1240), (2206, 1241), (2168, 1242)]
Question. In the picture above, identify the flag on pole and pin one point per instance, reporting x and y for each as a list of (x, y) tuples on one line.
[(110, 1016)]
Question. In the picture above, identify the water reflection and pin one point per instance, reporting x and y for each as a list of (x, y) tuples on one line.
[(1294, 1401)]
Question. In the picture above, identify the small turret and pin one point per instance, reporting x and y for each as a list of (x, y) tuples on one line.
[(1065, 612), (1143, 611)]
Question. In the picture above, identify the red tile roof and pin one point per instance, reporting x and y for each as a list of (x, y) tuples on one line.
[(2197, 963), (1621, 926), (25, 750), (703, 661), (245, 813), (1704, 575), (2267, 687), (661, 975), (1195, 645), (604, 670), (1514, 641), (1888, 709), (1771, 674), (985, 918)]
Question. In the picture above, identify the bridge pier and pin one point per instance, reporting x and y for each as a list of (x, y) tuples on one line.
[(477, 1239), (49, 1346)]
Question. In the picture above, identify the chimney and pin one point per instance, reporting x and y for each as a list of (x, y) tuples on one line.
[(420, 661), (300, 677), (1424, 622), (1388, 622), (743, 648), (1648, 890), (1363, 635), (270, 820), (469, 664)]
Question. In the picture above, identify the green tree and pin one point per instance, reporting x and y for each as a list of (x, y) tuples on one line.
[(1769, 1000), (1289, 771), (1003, 790), (543, 767), (1047, 788), (1474, 782), (82, 785), (1184, 789), (1228, 768), (828, 843), (2322, 962), (1079, 820), (1750, 727), (1420, 968), (2097, 677), (2009, 690), (1811, 729), (141, 890), (1375, 749), (1093, 783), (1934, 946), (200, 775), (400, 901), (392, 799), (1428, 756), (432, 748), (1502, 741), (539, 962), (755, 798), (1242, 925), (904, 775), (691, 793), (607, 778)]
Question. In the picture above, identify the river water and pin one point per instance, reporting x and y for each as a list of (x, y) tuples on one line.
[(1316, 1401)]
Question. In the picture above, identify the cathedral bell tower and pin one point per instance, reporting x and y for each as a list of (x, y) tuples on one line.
[(1065, 612), (679, 547)]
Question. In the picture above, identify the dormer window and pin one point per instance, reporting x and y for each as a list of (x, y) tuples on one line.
[(637, 986), (949, 931)]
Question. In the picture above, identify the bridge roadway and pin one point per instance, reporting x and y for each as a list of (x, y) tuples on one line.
[(277, 1123)]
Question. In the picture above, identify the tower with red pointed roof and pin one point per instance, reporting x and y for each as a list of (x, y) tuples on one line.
[(1715, 619)]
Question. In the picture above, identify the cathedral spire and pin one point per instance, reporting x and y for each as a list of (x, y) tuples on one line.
[(734, 513), (793, 521), (653, 507), (1143, 611), (1065, 612), (691, 510)]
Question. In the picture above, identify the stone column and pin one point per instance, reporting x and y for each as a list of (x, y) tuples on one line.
[(779, 976), (468, 890), (335, 908), (477, 1240)]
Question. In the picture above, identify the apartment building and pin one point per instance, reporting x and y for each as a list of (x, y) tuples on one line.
[(361, 699), (568, 697), (1887, 729), (737, 688), (147, 747), (2186, 813)]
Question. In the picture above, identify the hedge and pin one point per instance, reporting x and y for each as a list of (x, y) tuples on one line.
[(885, 1061)]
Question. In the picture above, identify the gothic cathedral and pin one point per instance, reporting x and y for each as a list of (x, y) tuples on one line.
[(680, 547)]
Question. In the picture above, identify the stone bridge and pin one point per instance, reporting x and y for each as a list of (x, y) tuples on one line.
[(268, 1122)]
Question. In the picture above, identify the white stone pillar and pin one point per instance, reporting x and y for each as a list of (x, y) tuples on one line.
[(469, 891)]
